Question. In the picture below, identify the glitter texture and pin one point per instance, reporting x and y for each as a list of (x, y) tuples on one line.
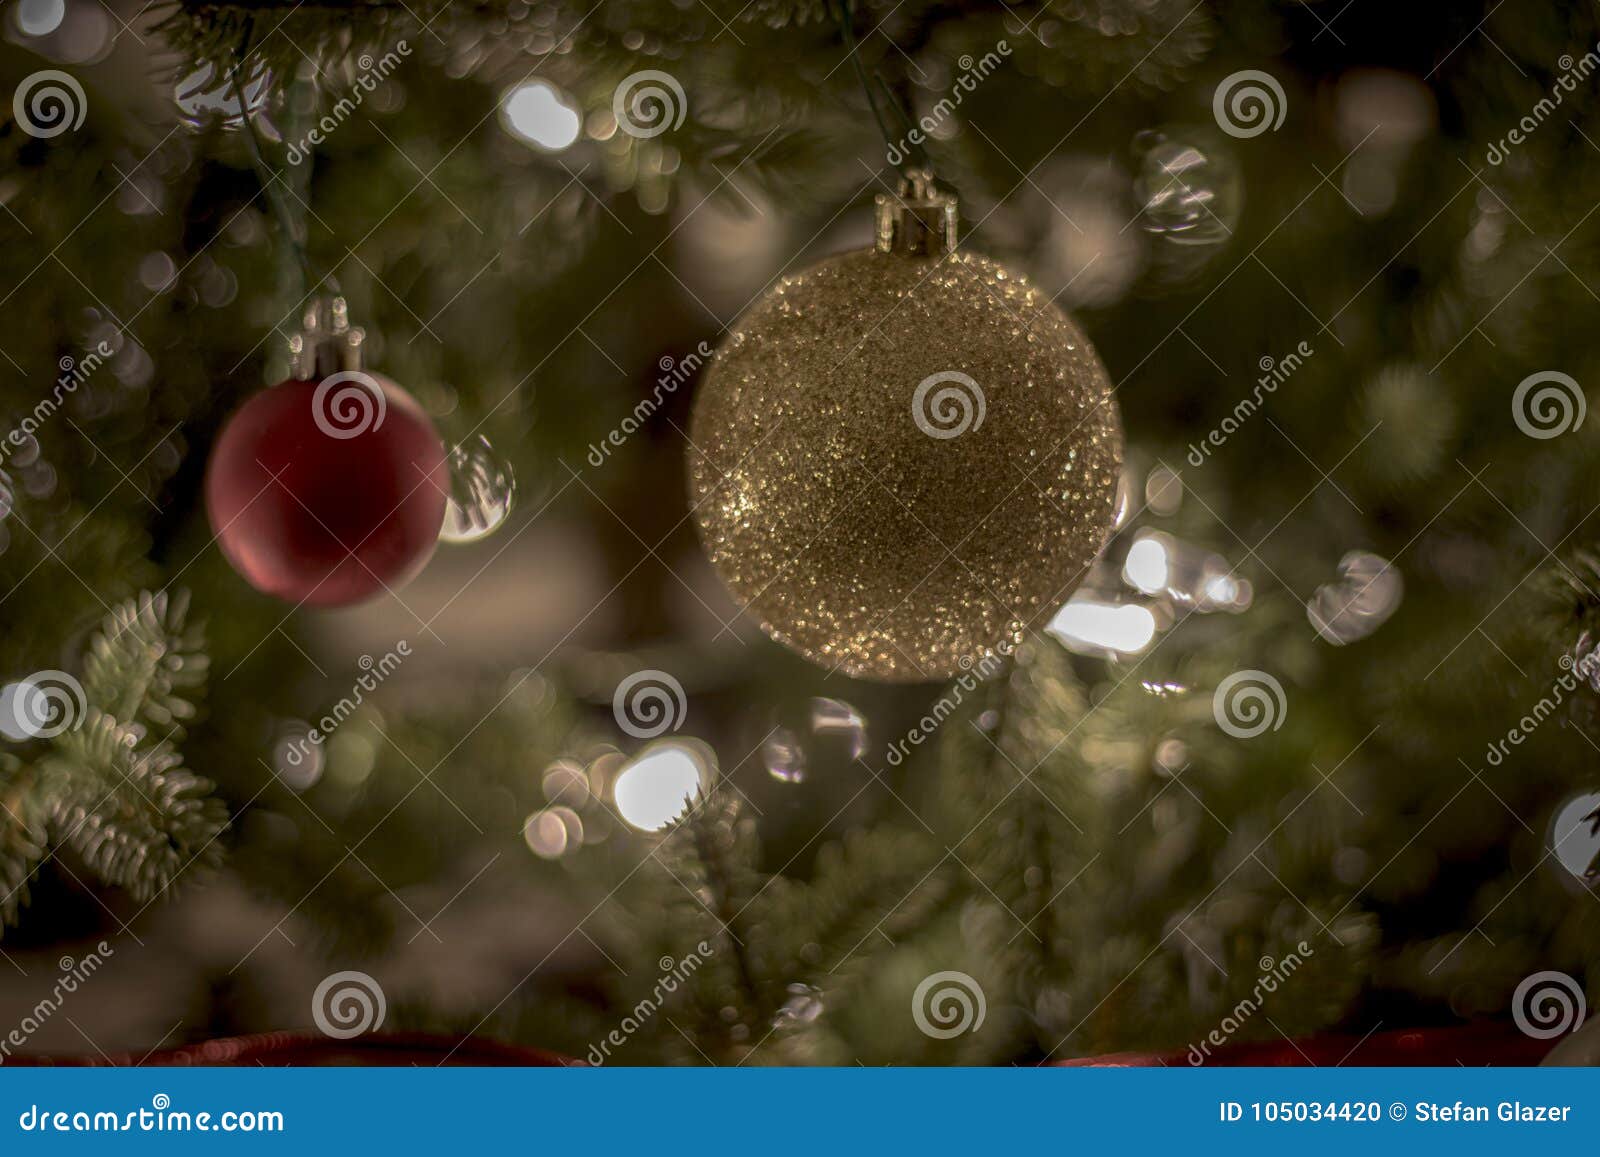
[(890, 533)]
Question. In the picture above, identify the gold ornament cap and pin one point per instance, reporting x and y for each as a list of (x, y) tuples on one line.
[(326, 343), (920, 221)]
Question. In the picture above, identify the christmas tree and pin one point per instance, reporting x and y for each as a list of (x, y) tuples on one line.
[(1215, 664)]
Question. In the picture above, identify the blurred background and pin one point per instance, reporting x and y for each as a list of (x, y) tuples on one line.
[(1321, 304)]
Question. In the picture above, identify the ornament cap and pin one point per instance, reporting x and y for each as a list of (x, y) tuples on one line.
[(326, 343), (920, 221)]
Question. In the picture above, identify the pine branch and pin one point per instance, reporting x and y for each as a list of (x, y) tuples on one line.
[(135, 814), (147, 665), (22, 837)]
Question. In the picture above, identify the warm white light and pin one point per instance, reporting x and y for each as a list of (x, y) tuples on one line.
[(541, 114), (20, 703), (1091, 626), (40, 17), (1145, 568), (659, 786)]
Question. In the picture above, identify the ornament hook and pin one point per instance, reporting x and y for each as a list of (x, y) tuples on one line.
[(326, 342), (920, 221)]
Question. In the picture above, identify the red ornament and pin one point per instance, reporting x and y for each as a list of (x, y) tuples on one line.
[(328, 492)]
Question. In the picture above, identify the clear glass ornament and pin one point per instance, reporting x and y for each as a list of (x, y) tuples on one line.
[(1190, 197), (1574, 839), (784, 757), (1368, 591), (483, 489), (208, 96)]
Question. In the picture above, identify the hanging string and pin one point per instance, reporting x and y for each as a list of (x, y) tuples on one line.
[(268, 179), (916, 157)]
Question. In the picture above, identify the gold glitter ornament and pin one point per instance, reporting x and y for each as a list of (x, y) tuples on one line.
[(904, 457)]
